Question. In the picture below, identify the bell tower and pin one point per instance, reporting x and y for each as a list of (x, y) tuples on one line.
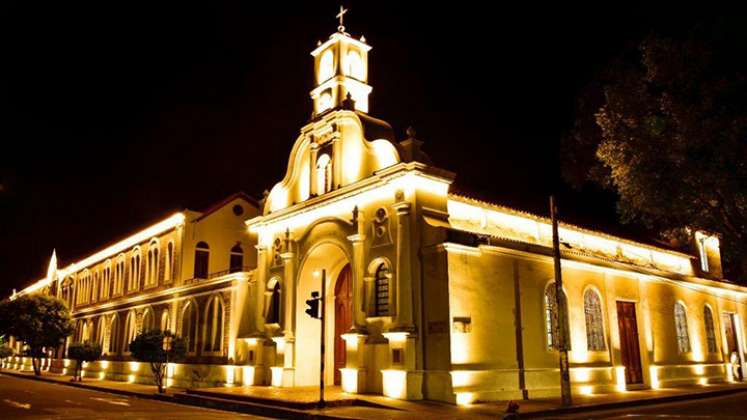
[(340, 69)]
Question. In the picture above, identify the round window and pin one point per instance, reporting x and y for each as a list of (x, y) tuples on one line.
[(238, 210)]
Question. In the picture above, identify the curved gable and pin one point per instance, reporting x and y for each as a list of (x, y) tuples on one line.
[(357, 145)]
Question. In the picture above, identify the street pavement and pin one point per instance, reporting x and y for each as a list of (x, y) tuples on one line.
[(727, 407), (29, 399)]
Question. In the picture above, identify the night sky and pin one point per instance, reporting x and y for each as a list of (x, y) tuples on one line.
[(116, 115)]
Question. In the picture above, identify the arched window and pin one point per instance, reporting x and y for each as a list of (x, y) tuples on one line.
[(202, 257), (552, 324), (165, 321), (273, 308), (680, 323), (130, 331), (168, 264), (381, 290), (100, 331), (325, 100), (354, 65), (151, 276), (95, 287), (326, 66), (119, 273), (213, 339), (237, 259), (114, 335), (189, 327), (594, 322), (84, 331), (147, 320), (106, 279), (710, 329), (134, 279), (323, 174)]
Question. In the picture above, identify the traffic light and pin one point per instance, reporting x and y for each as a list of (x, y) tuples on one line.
[(313, 305)]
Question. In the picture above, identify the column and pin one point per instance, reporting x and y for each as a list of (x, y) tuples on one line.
[(312, 163), (336, 161), (359, 270), (285, 346), (403, 291), (260, 286)]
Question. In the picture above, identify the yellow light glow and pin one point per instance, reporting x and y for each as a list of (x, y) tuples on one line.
[(277, 376), (64, 371), (349, 378), (386, 154), (102, 375), (279, 344), (699, 370), (247, 375), (586, 390), (134, 366), (394, 383), (465, 398), (398, 180), (654, 371), (396, 337), (154, 230), (620, 378), (251, 341), (582, 375), (460, 378), (104, 364), (703, 381), (459, 349), (482, 217), (229, 375), (131, 379)]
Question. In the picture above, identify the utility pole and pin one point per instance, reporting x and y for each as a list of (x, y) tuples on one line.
[(560, 304), (321, 353)]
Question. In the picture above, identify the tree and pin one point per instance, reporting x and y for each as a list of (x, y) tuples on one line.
[(83, 352), (158, 349), (665, 126), (40, 321)]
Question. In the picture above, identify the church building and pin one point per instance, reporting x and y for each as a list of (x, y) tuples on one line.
[(428, 294)]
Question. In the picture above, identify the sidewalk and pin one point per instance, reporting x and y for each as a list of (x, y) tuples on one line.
[(297, 403)]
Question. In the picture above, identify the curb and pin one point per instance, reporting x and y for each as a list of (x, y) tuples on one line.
[(185, 398), (154, 396), (194, 400), (631, 403)]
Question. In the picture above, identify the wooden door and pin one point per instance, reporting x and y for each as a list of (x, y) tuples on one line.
[(629, 347), (343, 317), (731, 334)]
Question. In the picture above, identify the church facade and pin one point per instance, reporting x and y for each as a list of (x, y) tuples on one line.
[(428, 294)]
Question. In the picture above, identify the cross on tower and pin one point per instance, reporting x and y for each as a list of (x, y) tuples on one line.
[(341, 16)]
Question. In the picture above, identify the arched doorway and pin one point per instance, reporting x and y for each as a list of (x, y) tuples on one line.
[(343, 317), (332, 259)]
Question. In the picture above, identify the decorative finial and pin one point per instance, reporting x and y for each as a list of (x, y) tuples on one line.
[(410, 132), (318, 43), (341, 16), (363, 39), (349, 102), (355, 215)]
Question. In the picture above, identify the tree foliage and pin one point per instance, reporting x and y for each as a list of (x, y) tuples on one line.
[(665, 126), (83, 352), (148, 347), (41, 322)]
